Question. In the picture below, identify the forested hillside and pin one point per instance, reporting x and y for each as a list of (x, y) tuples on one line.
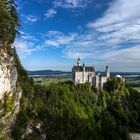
[(64, 111)]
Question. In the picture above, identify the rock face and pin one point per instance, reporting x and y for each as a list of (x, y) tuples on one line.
[(135, 136), (8, 73), (10, 93), (36, 128)]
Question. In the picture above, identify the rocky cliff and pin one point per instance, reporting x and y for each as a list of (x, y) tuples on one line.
[(10, 92)]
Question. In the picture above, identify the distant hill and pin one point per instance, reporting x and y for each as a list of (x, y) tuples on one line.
[(126, 74), (65, 73), (48, 73)]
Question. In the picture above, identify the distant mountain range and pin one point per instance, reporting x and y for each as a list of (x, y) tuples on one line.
[(48, 73), (66, 73)]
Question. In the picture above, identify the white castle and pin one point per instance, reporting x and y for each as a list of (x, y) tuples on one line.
[(83, 74)]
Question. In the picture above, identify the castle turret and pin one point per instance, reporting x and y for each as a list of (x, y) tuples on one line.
[(107, 72), (78, 61), (83, 67), (83, 73)]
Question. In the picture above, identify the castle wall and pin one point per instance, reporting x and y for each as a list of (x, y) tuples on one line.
[(83, 77), (96, 81), (88, 76), (103, 81), (78, 77), (99, 81)]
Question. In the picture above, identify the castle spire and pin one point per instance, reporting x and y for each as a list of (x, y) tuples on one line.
[(107, 72), (78, 61), (83, 64)]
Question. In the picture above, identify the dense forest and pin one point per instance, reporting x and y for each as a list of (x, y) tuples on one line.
[(80, 112), (64, 111)]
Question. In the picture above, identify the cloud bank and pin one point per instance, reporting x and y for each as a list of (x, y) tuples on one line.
[(112, 39)]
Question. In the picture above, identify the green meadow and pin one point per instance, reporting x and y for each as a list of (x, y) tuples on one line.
[(48, 80), (137, 88), (134, 82)]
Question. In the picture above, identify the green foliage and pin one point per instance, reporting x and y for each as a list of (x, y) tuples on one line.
[(8, 22), (78, 112), (8, 102), (26, 102), (134, 110)]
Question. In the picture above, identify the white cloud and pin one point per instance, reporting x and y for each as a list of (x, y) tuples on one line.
[(120, 23), (101, 52), (28, 37), (50, 13), (57, 39), (52, 43), (78, 54), (74, 44), (128, 54), (126, 59), (120, 11), (70, 3), (25, 36), (30, 18), (25, 45), (24, 48)]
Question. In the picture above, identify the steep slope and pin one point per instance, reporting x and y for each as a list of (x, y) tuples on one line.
[(8, 73), (10, 91)]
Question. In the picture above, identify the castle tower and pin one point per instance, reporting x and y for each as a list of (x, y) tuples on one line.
[(107, 72), (83, 73), (83, 67), (78, 61)]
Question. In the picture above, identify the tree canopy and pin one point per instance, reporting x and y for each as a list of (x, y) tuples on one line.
[(79, 112), (9, 22)]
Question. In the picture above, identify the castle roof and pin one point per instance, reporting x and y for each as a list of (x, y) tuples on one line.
[(81, 68)]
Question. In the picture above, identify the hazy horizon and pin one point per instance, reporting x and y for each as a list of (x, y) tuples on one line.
[(71, 71)]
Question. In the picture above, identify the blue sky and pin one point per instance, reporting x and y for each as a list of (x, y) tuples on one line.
[(54, 33)]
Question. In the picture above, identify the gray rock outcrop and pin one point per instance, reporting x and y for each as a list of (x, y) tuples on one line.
[(10, 93)]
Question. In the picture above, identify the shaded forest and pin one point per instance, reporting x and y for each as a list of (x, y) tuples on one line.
[(80, 112)]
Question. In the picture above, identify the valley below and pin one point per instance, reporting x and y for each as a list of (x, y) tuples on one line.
[(49, 76)]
